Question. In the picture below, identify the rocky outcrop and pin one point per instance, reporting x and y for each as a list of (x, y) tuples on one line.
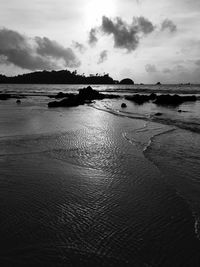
[(164, 100), (85, 95), (173, 100), (141, 99)]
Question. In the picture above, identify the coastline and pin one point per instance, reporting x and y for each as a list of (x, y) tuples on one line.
[(75, 191)]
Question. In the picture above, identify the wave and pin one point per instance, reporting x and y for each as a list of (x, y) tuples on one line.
[(185, 125), (189, 125), (153, 90), (118, 89)]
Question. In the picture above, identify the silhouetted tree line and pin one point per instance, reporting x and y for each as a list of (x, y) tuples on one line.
[(58, 77)]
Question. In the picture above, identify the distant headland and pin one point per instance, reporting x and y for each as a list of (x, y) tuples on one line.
[(61, 77)]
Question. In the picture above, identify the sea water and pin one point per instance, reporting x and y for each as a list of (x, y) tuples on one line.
[(98, 185)]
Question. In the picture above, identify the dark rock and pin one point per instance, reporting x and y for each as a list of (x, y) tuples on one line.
[(138, 99), (5, 96), (152, 96), (60, 95), (63, 95), (168, 100), (173, 100), (8, 96), (67, 102), (85, 95), (158, 83), (110, 96), (127, 81), (158, 114), (89, 94), (18, 101), (123, 105), (180, 110)]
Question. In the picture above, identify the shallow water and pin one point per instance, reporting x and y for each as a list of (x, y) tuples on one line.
[(170, 141), (177, 154), (76, 190)]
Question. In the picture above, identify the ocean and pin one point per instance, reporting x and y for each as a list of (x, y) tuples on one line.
[(99, 185)]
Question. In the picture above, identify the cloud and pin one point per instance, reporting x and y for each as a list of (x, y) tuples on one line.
[(126, 36), (167, 71), (144, 25), (197, 62), (103, 56), (176, 69), (180, 68), (168, 24), (34, 53), (79, 46), (92, 36), (150, 68)]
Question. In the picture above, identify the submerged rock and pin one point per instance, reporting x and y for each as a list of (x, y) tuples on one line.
[(18, 101)]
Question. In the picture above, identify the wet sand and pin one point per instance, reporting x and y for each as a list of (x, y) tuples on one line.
[(75, 192)]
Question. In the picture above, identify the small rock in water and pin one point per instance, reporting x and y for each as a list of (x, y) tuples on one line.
[(18, 101), (180, 110), (123, 105), (158, 114)]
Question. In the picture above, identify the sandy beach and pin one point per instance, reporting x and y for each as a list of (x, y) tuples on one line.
[(75, 192)]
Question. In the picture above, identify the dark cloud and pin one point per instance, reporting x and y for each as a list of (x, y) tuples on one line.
[(79, 46), (167, 71), (126, 36), (144, 25), (103, 56), (150, 68), (197, 62), (92, 36), (34, 53), (168, 24), (180, 68)]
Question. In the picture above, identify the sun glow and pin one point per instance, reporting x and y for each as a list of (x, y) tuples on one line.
[(95, 9)]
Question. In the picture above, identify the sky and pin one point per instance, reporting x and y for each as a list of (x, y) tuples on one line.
[(145, 40)]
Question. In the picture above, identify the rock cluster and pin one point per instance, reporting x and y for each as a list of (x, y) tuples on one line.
[(85, 95), (164, 100)]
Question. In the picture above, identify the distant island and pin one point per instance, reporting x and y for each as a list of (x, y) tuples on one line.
[(127, 81), (61, 77)]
